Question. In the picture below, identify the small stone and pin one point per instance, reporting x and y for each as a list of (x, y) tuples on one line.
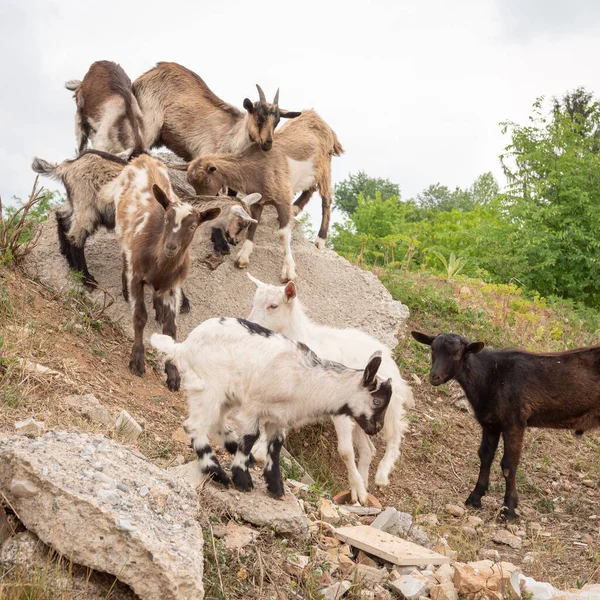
[(123, 487), (589, 483), (23, 488), (586, 538), (328, 512), (503, 536), (238, 536), (364, 559), (521, 533), (127, 428), (109, 496), (430, 520), (410, 588), (530, 558), (443, 591), (535, 528), (469, 532), (295, 564), (370, 574), (335, 591), (124, 525), (297, 485), (393, 522), (489, 554), (444, 573), (473, 521), (143, 491), (88, 406), (455, 510), (30, 427), (102, 477)]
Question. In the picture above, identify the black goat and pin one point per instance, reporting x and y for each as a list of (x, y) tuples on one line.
[(511, 390)]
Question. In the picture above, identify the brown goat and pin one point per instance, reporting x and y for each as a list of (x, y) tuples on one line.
[(182, 113), (511, 390), (108, 114), (300, 161), (154, 230)]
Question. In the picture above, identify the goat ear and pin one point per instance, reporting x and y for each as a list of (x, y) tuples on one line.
[(180, 166), (248, 105), (161, 197), (251, 199), (208, 215), (240, 212), (290, 291), (256, 282), (423, 338), (475, 347), (289, 114), (371, 369)]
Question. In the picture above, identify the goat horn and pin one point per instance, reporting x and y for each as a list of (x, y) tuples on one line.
[(276, 99), (261, 94)]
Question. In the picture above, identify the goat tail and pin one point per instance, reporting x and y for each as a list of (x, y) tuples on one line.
[(43, 167), (72, 84), (164, 344), (338, 150)]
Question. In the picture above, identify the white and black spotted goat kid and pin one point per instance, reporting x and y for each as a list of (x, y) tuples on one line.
[(236, 367)]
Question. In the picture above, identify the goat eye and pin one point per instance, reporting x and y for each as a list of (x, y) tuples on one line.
[(193, 226), (273, 306), (376, 401)]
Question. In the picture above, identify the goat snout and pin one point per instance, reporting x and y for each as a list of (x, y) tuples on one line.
[(171, 249), (232, 240), (435, 379), (266, 146)]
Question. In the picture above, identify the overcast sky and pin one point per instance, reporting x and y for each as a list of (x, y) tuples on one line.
[(415, 89)]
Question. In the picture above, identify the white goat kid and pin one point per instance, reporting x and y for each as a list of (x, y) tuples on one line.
[(279, 309), (268, 381)]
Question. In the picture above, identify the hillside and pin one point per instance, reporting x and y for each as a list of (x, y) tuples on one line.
[(558, 479)]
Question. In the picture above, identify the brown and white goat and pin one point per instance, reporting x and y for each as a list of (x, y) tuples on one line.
[(83, 213), (182, 113), (154, 229), (108, 114), (510, 390), (300, 161)]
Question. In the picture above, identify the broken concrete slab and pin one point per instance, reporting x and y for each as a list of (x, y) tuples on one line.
[(258, 508), (389, 547), (335, 591), (410, 587), (88, 507)]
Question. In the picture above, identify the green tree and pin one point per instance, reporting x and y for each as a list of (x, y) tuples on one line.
[(553, 198), (347, 191)]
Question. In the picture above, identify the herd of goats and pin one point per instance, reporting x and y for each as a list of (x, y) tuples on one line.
[(248, 380)]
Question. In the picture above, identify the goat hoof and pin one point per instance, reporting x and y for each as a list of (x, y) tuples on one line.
[(242, 480), (185, 304), (474, 501), (320, 243), (173, 378), (89, 282), (242, 264), (217, 474), (136, 368), (506, 515), (276, 490)]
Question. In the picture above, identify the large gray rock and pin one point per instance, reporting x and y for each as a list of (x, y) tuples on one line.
[(333, 291), (104, 506)]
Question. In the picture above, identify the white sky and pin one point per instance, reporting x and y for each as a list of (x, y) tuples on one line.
[(415, 89)]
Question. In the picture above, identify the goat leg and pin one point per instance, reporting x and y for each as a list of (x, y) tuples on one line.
[(140, 317), (170, 328), (125, 279), (209, 463), (490, 437), (185, 306), (240, 474), (272, 472), (303, 200), (326, 216), (513, 443), (243, 258)]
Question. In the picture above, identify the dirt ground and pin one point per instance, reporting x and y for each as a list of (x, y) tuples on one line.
[(439, 461)]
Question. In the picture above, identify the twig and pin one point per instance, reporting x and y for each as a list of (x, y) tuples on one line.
[(212, 538), (260, 571), (453, 470)]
